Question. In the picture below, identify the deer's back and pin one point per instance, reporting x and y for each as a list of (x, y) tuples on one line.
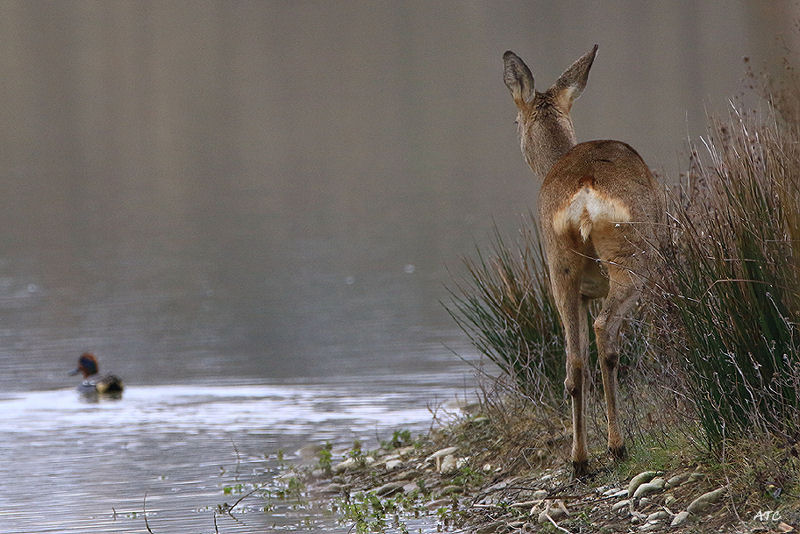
[(595, 185)]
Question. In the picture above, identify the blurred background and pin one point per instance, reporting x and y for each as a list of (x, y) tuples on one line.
[(278, 192), (275, 189)]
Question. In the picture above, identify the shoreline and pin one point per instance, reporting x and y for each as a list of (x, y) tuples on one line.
[(469, 477)]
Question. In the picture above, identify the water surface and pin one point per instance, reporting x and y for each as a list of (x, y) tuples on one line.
[(88, 466)]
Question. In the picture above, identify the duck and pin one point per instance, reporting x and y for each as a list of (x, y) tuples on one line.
[(87, 365)]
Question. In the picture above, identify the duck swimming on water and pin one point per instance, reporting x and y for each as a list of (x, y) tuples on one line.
[(109, 384)]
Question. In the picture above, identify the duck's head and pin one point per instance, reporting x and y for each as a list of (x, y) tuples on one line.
[(87, 364)]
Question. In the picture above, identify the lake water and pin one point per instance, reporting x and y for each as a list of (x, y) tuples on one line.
[(87, 467), (250, 210)]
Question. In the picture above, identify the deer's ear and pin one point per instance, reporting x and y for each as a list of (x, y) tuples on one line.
[(518, 78), (569, 85)]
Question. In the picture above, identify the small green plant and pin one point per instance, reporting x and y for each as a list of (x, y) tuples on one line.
[(366, 512), (449, 516), (357, 454), (236, 488), (400, 438), (583, 518), (325, 458), (372, 514), (468, 477), (421, 488), (294, 487)]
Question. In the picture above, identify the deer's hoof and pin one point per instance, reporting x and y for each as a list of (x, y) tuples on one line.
[(580, 469), (619, 453)]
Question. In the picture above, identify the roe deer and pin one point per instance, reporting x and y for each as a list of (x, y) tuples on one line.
[(598, 208)]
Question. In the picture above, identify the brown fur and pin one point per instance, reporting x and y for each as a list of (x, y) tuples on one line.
[(598, 208)]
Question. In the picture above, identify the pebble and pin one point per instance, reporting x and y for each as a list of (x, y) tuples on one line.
[(404, 451), (440, 453), (438, 503), (524, 504), (391, 465), (700, 504), (341, 467), (540, 494), (640, 479), (620, 505), (491, 527), (501, 485), (391, 488), (650, 526), (334, 488), (657, 484), (694, 477), (615, 493), (679, 519), (451, 490), (556, 514), (677, 480), (411, 486), (669, 499), (449, 465), (557, 509), (658, 516)]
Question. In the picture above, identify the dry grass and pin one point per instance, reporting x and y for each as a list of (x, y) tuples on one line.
[(730, 290)]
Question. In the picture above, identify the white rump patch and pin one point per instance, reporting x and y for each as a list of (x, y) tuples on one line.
[(586, 208)]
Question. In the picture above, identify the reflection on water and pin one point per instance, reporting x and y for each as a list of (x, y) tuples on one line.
[(88, 466)]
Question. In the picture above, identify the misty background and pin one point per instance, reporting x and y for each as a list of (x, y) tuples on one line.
[(275, 191)]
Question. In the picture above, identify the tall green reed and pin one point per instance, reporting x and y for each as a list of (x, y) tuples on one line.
[(505, 306), (732, 278)]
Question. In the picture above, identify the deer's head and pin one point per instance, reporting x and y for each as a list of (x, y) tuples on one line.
[(543, 120)]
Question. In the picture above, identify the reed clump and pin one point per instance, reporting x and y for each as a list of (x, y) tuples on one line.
[(505, 306), (731, 280)]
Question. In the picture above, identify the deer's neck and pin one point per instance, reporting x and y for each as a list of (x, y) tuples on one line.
[(545, 138), (541, 154)]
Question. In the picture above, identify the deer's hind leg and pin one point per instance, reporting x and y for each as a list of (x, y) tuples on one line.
[(625, 287), (566, 269)]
